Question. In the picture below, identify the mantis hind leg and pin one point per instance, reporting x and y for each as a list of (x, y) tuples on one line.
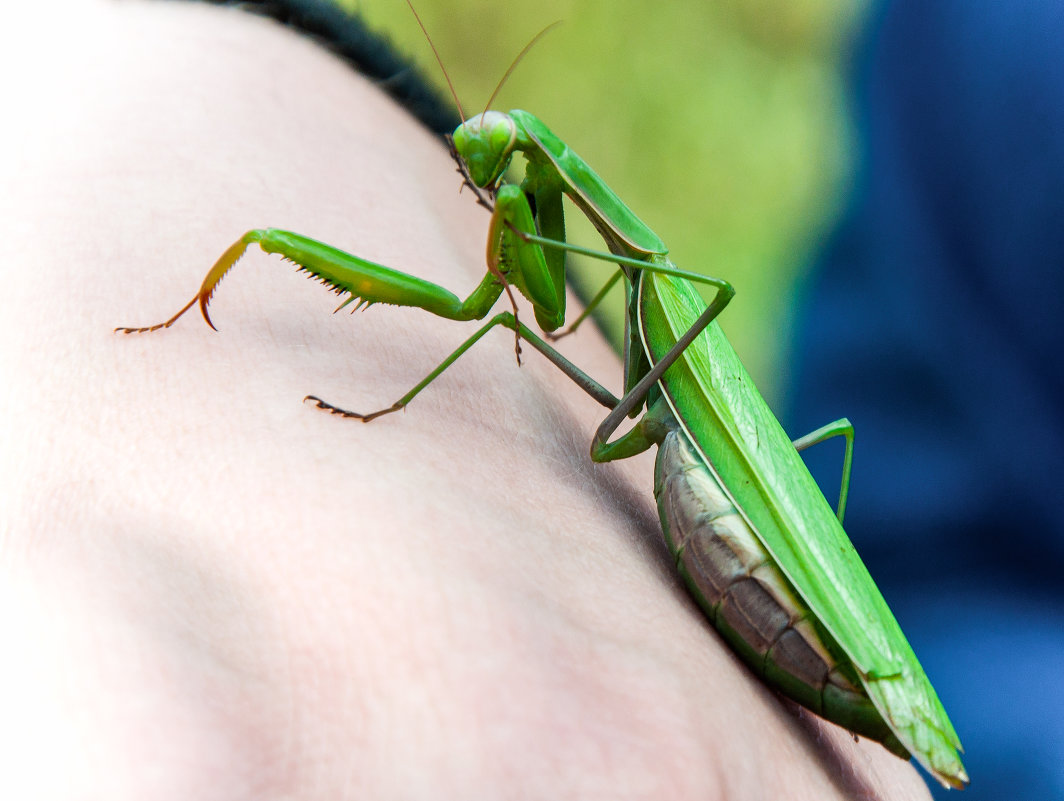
[(601, 449), (840, 428)]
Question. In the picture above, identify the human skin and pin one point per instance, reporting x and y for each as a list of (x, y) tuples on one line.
[(211, 590)]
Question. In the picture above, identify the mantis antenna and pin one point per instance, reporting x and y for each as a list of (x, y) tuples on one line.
[(516, 61), (502, 81), (443, 69)]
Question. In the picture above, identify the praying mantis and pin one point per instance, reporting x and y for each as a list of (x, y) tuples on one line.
[(755, 541)]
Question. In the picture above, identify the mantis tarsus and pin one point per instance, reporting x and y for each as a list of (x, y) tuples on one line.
[(753, 537)]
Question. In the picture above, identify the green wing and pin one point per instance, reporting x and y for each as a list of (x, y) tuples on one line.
[(714, 399)]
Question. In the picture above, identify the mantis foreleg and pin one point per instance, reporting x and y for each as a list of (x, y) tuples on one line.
[(367, 282), (363, 281)]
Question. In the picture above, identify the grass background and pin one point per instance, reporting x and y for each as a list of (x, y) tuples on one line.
[(720, 123)]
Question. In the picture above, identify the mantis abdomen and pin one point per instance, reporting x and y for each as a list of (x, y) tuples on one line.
[(742, 590)]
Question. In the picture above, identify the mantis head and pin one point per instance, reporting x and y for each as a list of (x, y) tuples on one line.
[(486, 143)]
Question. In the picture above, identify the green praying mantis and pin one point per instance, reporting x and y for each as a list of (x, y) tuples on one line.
[(753, 538)]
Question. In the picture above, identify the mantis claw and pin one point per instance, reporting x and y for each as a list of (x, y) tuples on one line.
[(210, 283)]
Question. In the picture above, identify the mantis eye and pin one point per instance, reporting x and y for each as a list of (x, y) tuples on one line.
[(502, 136)]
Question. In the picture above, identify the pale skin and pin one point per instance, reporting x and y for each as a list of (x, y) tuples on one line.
[(211, 590)]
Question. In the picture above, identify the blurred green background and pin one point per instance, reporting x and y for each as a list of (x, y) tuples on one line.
[(720, 123)]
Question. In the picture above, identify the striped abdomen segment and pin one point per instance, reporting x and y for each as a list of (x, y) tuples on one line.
[(741, 589)]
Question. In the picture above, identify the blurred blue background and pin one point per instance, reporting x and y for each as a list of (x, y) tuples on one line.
[(932, 319)]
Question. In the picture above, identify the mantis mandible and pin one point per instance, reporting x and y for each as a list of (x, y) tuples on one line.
[(758, 546)]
